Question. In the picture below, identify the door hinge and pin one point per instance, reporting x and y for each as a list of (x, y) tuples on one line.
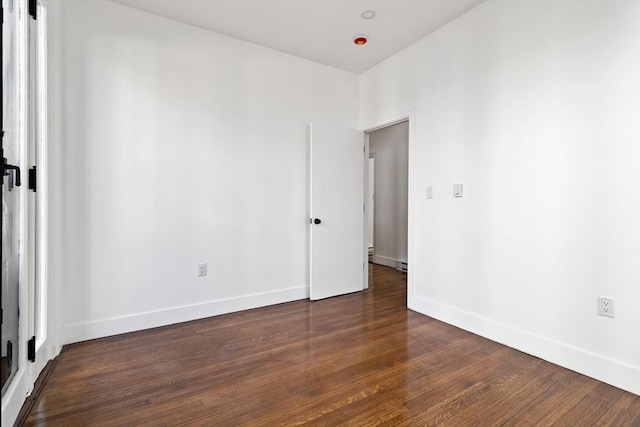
[(33, 179), (33, 8), (31, 349)]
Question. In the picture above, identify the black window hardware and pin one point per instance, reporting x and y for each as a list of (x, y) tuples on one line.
[(33, 179), (6, 167), (31, 349)]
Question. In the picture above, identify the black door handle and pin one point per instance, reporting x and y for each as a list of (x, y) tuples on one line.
[(6, 167), (317, 221)]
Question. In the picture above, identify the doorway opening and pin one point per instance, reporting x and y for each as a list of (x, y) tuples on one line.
[(387, 196), (338, 237)]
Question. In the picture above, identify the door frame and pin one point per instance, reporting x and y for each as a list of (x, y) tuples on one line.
[(33, 300), (371, 211), (409, 117), (21, 385)]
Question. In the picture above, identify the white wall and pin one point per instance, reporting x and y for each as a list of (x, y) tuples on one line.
[(390, 145), (534, 106), (181, 146)]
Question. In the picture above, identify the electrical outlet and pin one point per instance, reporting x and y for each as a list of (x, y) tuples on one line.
[(202, 269), (605, 307)]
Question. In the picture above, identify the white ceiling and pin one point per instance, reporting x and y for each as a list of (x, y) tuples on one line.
[(318, 30)]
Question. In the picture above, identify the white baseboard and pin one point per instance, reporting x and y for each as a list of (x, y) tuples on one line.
[(390, 262), (383, 260), (14, 397), (119, 325), (618, 374), (22, 384)]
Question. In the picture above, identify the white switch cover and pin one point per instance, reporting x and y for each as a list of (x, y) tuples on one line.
[(429, 192), (457, 190), (202, 269)]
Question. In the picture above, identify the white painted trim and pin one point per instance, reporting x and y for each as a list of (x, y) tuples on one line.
[(21, 384), (365, 213), (371, 206), (14, 397), (42, 195), (48, 350), (618, 374), (399, 119), (152, 319), (384, 260)]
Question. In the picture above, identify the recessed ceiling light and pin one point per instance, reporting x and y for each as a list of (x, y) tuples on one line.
[(368, 14), (360, 40)]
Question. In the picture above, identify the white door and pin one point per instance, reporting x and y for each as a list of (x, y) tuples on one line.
[(337, 211)]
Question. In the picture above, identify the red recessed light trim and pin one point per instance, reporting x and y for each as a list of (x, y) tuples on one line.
[(360, 41)]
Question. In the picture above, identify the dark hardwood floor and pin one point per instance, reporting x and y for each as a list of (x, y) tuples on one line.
[(360, 360)]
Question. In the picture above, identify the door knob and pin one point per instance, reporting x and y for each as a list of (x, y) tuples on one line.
[(317, 221)]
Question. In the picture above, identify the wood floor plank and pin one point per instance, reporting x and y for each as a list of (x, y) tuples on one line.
[(356, 360)]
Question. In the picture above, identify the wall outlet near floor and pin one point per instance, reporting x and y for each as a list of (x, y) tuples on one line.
[(605, 307), (202, 269)]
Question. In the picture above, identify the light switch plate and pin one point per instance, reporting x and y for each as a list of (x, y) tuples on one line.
[(457, 190), (202, 269)]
